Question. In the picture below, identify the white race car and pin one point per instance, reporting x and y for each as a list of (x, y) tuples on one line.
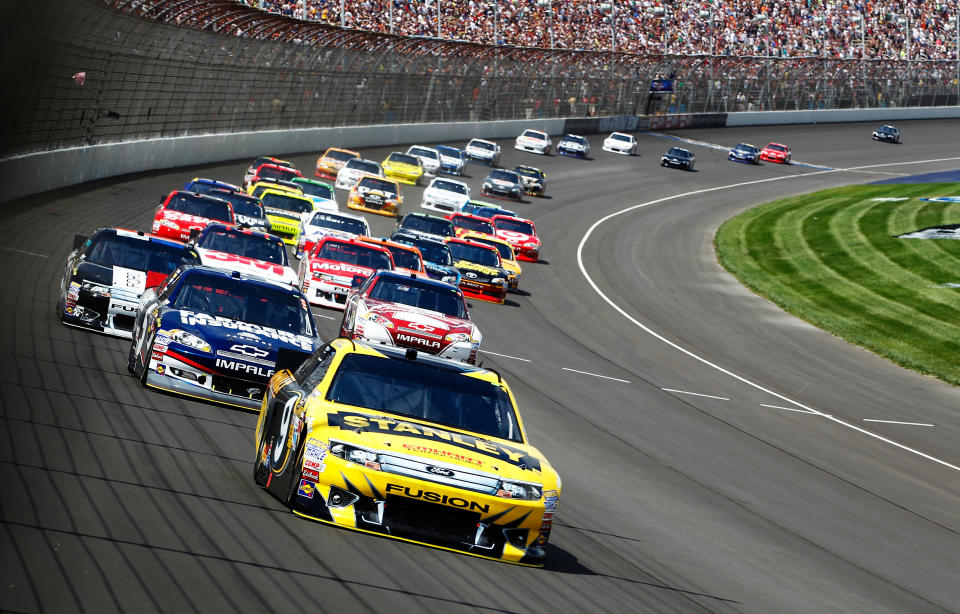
[(536, 141), (429, 157), (354, 169), (621, 143), (446, 195), (482, 150), (256, 254), (329, 224)]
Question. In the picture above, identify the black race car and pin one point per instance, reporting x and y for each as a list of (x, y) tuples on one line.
[(886, 133), (677, 157)]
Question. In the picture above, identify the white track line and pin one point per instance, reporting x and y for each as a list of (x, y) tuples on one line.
[(504, 355), (897, 422), (799, 411), (21, 251), (655, 335), (696, 394), (616, 379)]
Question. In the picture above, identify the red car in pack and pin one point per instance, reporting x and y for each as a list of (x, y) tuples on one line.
[(181, 213), (273, 171), (465, 222), (335, 266), (396, 309), (776, 152), (521, 234)]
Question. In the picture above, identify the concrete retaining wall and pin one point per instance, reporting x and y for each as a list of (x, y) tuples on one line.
[(767, 118)]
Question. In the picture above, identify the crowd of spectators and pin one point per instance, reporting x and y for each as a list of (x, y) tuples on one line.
[(782, 28)]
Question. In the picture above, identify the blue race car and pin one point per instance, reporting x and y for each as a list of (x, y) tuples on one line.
[(219, 336), (745, 152), (203, 186), (437, 259), (452, 160)]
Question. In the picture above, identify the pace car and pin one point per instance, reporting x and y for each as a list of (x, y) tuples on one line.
[(776, 152), (503, 183), (445, 195), (452, 160), (678, 157), (106, 274), (437, 260), (286, 211), (214, 335), (354, 169), (887, 134), (377, 195), (536, 141), (521, 234), (182, 213), (745, 152), (430, 316), (621, 143), (483, 150), (481, 274), (327, 224), (403, 167), (255, 254), (401, 444), (322, 194), (335, 266), (533, 179), (574, 145), (330, 163)]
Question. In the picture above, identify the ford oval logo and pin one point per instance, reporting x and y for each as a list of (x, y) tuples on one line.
[(440, 471)]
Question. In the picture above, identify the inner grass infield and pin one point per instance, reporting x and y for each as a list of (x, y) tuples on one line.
[(833, 259)]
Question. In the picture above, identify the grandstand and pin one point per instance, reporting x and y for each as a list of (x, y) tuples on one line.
[(897, 30)]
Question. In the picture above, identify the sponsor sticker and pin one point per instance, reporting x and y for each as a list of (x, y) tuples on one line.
[(161, 369), (311, 464), (547, 516), (310, 474), (315, 451), (306, 489), (68, 310), (159, 348)]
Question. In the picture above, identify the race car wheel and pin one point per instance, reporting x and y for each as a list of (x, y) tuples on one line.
[(147, 353), (283, 484)]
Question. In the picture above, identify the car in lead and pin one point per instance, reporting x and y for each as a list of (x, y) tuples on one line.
[(621, 143), (886, 133), (776, 152)]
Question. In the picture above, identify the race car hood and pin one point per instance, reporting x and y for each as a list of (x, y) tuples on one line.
[(430, 442), (420, 326), (282, 214), (250, 266), (121, 278), (339, 269), (478, 272), (185, 220), (444, 196), (438, 271), (517, 238)]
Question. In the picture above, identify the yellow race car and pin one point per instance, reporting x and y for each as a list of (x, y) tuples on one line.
[(508, 260), (403, 167), (376, 195), (286, 210), (401, 444)]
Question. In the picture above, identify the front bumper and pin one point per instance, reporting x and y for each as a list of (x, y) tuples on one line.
[(114, 316), (492, 293), (537, 149), (577, 153), (389, 208), (498, 192), (461, 351), (403, 177), (326, 293), (617, 149), (189, 378), (441, 207)]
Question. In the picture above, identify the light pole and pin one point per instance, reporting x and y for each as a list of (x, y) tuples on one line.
[(496, 22), (549, 5), (343, 13), (391, 15), (662, 11), (438, 19), (955, 20), (610, 9)]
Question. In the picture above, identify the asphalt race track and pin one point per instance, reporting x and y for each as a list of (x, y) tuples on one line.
[(717, 455)]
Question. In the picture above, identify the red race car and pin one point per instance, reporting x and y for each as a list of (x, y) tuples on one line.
[(776, 152), (335, 266), (182, 212), (464, 223), (271, 171), (396, 309), (521, 234)]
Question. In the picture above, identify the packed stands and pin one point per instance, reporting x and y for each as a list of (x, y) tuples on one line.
[(782, 28)]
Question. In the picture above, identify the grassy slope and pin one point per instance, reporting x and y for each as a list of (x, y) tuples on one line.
[(833, 259)]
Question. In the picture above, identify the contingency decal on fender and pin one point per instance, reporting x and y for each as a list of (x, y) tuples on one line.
[(508, 454)]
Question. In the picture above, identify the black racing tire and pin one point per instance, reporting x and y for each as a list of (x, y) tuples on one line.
[(146, 365)]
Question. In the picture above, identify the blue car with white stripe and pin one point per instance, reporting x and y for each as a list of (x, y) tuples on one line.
[(746, 153), (219, 336), (452, 160)]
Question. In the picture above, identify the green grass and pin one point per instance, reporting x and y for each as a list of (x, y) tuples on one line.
[(832, 258)]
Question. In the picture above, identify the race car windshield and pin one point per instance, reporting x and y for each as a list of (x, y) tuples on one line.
[(319, 190), (886, 130), (240, 243), (402, 158), (450, 152), (449, 186), (137, 254), (277, 173), (534, 135), (575, 139), (430, 225), (504, 176), (468, 223), (616, 136), (373, 183), (423, 153), (418, 390), (506, 253), (364, 166), (515, 225), (425, 296), (201, 206), (529, 172), (283, 202), (265, 160), (236, 299), (355, 254), (744, 147), (776, 147), (432, 251), (405, 258), (486, 256), (260, 188), (201, 186), (335, 222), (678, 153), (242, 204), (482, 145), (340, 156)]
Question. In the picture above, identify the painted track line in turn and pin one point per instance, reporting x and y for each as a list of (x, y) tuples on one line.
[(704, 361)]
